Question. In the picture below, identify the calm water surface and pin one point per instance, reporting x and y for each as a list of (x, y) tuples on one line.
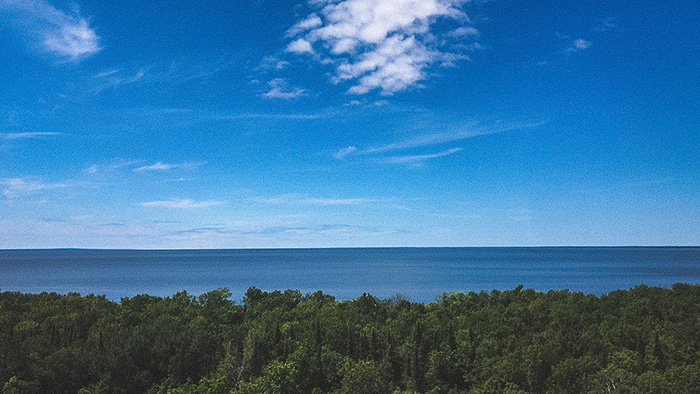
[(421, 274)]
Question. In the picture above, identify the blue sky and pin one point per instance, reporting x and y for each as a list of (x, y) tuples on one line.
[(333, 123)]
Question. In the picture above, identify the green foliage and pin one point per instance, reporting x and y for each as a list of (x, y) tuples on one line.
[(363, 377), (18, 386), (642, 340), (277, 378)]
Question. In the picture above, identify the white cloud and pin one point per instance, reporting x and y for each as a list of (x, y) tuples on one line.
[(27, 135), (107, 73), (279, 89), (114, 78), (182, 204), (297, 116), (462, 132), (582, 44), (160, 166), (15, 187), (282, 64), (463, 31), (156, 167), (579, 45), (311, 22), (300, 46), (415, 159), (453, 134), (344, 152), (73, 39), (298, 199), (379, 44), (395, 64), (63, 34), (324, 231)]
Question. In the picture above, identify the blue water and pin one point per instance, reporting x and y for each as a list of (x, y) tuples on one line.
[(421, 274)]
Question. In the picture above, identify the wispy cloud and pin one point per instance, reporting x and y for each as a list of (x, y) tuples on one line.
[(108, 73), (27, 135), (299, 199), (311, 22), (464, 131), (115, 78), (92, 232), (335, 201), (160, 166), (327, 235), (15, 187), (118, 164), (280, 89), (85, 232), (380, 44), (320, 230), (173, 72), (155, 167), (416, 159), (182, 204), (463, 31), (67, 35), (605, 24), (272, 63), (293, 116), (579, 45), (203, 230), (581, 42), (344, 152), (471, 129)]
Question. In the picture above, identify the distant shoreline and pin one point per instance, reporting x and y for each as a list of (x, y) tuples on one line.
[(379, 247)]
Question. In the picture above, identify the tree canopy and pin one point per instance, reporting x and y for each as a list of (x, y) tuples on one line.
[(642, 340)]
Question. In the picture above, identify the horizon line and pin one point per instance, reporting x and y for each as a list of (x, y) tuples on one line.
[(367, 247)]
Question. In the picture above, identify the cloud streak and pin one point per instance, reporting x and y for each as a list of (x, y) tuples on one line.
[(320, 230), (301, 200), (469, 130), (344, 152), (380, 44), (15, 187), (28, 135), (416, 159), (182, 204), (63, 34), (115, 78), (160, 166)]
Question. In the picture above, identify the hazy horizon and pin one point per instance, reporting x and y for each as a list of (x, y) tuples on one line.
[(381, 247)]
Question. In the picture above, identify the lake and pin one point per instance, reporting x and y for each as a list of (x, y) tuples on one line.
[(420, 274)]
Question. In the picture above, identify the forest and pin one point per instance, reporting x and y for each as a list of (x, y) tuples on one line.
[(641, 340)]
